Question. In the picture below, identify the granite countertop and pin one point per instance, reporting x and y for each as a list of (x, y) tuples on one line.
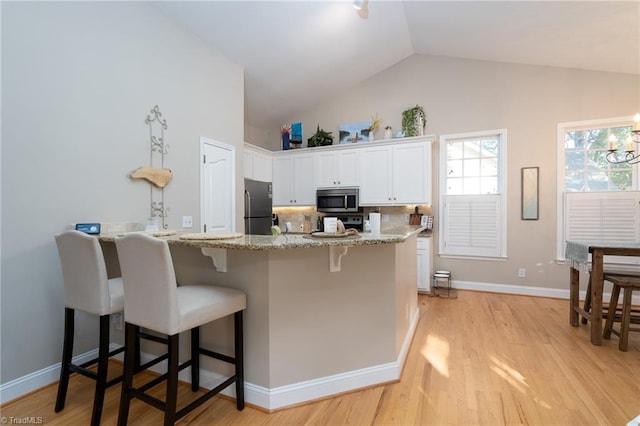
[(290, 241)]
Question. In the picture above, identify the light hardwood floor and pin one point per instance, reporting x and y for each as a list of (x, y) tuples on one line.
[(482, 358)]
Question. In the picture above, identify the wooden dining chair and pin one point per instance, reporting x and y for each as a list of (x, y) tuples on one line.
[(628, 283)]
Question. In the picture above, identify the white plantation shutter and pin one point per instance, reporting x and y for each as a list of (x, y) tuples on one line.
[(472, 225), (602, 216)]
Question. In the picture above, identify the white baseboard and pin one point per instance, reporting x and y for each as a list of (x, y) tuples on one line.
[(260, 396), (529, 291), (38, 379)]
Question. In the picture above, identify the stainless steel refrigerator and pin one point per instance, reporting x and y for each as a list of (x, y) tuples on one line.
[(258, 199)]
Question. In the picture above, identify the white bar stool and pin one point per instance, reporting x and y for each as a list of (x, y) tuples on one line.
[(152, 299), (87, 288)]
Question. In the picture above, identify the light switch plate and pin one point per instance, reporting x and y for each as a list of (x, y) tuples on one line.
[(187, 221)]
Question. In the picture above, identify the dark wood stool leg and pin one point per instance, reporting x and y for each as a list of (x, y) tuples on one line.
[(195, 359), (239, 351), (67, 354), (103, 365), (138, 360), (129, 367), (172, 381), (613, 304), (587, 300), (626, 319)]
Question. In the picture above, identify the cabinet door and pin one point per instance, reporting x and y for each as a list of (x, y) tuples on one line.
[(327, 170), (248, 164), (375, 176), (424, 264), (335, 169), (348, 165), (283, 181), (411, 174), (303, 180), (262, 167)]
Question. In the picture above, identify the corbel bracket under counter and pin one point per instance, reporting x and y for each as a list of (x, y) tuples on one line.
[(218, 256), (335, 257)]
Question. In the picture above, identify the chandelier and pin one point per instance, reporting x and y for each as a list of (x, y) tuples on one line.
[(627, 155)]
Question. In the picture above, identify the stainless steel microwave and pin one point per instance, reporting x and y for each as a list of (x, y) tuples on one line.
[(337, 200)]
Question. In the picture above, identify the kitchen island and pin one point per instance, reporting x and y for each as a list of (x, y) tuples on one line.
[(324, 316)]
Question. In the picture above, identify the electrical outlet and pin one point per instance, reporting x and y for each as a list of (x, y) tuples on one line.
[(384, 218), (522, 272), (187, 222), (406, 218)]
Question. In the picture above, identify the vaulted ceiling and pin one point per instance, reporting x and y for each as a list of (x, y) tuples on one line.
[(298, 52)]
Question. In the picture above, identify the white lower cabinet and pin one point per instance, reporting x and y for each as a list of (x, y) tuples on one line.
[(424, 264)]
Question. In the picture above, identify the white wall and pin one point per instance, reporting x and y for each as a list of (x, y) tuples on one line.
[(78, 80), (461, 95)]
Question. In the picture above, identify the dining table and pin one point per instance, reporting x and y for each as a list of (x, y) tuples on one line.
[(577, 253)]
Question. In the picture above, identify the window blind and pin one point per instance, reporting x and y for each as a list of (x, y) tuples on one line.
[(472, 225)]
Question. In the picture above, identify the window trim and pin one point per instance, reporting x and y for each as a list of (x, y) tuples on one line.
[(563, 128), (502, 190)]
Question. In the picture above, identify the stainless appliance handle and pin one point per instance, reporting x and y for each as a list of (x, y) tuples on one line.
[(345, 202), (247, 210)]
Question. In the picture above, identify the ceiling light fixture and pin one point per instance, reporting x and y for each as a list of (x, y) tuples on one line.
[(628, 155), (362, 8)]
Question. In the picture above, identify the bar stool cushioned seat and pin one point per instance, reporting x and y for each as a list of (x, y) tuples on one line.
[(152, 299), (87, 288), (629, 283)]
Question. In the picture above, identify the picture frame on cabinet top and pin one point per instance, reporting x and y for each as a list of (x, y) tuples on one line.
[(354, 132)]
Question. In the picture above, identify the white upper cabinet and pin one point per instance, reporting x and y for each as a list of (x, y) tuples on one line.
[(257, 163), (375, 176), (412, 173), (396, 174), (387, 173), (294, 180), (337, 169)]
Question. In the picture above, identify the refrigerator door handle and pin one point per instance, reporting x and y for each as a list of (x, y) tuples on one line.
[(247, 210)]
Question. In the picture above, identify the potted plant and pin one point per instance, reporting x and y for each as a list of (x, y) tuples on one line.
[(413, 121), (320, 138), (375, 123)]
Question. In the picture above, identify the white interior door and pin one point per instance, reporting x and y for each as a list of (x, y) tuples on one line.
[(217, 186)]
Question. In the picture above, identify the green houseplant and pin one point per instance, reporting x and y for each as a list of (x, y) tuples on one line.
[(413, 121), (320, 138)]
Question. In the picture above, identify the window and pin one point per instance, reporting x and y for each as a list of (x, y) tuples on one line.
[(586, 166), (472, 194), (597, 200)]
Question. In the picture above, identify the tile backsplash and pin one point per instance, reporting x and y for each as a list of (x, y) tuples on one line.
[(391, 216)]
